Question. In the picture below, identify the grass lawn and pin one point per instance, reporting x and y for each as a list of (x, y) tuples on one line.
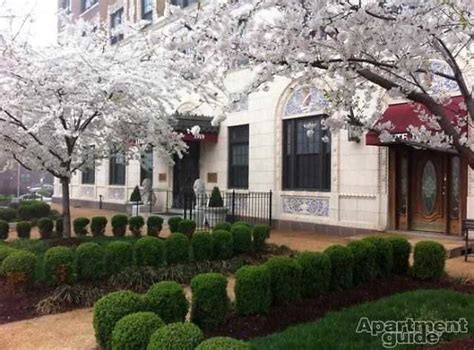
[(338, 330)]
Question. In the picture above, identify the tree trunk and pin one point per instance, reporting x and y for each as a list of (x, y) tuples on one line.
[(66, 208)]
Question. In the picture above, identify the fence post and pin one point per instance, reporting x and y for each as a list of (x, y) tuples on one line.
[(270, 209), (185, 204), (233, 206)]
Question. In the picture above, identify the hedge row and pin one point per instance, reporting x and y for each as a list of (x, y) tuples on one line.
[(26, 211)]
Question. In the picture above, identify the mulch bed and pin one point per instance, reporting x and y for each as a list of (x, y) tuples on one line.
[(279, 318)]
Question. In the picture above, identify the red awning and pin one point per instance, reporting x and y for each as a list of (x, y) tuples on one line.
[(404, 114)]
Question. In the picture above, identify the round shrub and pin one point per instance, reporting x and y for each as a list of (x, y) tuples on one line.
[(135, 225), (316, 274), (365, 261), (384, 255), (239, 223), (29, 210), (149, 251), (4, 252), (19, 267), (98, 225), (242, 238), (187, 227), (173, 223), (210, 302), (285, 274), (342, 266), (46, 227), (223, 244), (429, 260), (168, 300), (23, 228), (7, 214), (226, 226), (119, 225), (253, 290), (118, 256), (260, 234), (59, 265), (133, 332), (154, 224), (80, 226), (59, 227), (223, 343), (177, 248), (109, 309), (203, 246), (176, 336), (90, 261), (401, 248), (4, 229)]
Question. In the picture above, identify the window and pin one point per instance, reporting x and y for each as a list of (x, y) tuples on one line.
[(306, 157), (182, 3), (239, 156), (146, 165), (87, 4), (66, 5), (88, 174), (117, 168), (147, 9), (116, 20)]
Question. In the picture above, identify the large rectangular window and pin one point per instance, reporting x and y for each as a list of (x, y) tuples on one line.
[(182, 3), (306, 155), (146, 165), (116, 20), (87, 4), (147, 9), (117, 169), (88, 174), (239, 156)]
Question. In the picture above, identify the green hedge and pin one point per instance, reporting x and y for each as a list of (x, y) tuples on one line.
[(173, 223), (79, 226), (118, 256), (242, 239), (19, 267), (135, 225), (133, 332), (59, 226), (168, 300), (59, 265), (4, 229), (286, 279), (4, 252), (223, 244), (187, 227), (154, 225), (90, 261), (149, 251), (240, 223), (23, 228), (119, 225), (8, 214), (176, 336), (429, 260), (365, 261), (401, 254), (29, 210), (384, 254), (210, 302), (223, 343), (202, 245), (226, 226), (342, 265), (45, 227), (177, 248), (253, 290), (260, 234), (98, 225), (316, 273)]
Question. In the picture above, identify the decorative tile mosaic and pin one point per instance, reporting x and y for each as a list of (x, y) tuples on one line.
[(318, 206), (305, 100)]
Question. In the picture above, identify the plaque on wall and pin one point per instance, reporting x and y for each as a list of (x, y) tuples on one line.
[(212, 177), (162, 177)]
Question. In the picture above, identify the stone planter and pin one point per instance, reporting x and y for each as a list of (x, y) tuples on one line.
[(216, 216), (199, 216)]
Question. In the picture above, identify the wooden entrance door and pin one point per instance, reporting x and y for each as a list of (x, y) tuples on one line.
[(185, 172)]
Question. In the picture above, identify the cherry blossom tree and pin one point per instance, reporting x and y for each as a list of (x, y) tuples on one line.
[(363, 54), (65, 106)]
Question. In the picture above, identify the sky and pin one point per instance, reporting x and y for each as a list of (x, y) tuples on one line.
[(41, 26)]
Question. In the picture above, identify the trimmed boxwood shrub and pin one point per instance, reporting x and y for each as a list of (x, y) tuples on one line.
[(226, 226), (109, 309), (4, 252), (210, 302), (316, 274), (223, 244), (119, 225), (118, 256), (429, 260), (187, 227), (133, 332), (384, 254), (260, 234), (90, 261), (168, 300), (59, 265), (19, 267), (45, 227), (154, 225), (135, 225), (203, 246), (8, 214), (173, 223), (239, 223), (176, 336), (23, 228), (177, 248), (342, 266), (98, 225), (80, 226), (365, 261), (149, 251), (223, 343), (59, 227), (401, 248), (285, 274), (216, 201), (253, 290), (4, 229), (242, 239), (29, 210)]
